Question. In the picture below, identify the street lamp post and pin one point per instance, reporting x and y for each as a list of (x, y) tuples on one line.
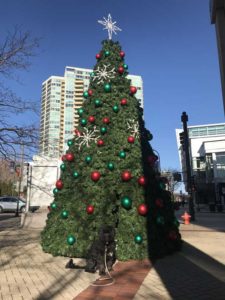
[(184, 119)]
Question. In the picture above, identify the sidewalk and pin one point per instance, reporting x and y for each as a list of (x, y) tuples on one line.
[(197, 272)]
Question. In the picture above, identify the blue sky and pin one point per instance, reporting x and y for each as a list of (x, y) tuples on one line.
[(170, 43)]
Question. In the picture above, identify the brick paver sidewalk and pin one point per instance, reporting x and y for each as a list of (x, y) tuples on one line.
[(128, 277), (26, 272)]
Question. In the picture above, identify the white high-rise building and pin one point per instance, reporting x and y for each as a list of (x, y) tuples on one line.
[(61, 97)]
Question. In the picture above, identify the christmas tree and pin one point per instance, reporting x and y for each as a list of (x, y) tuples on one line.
[(109, 175)]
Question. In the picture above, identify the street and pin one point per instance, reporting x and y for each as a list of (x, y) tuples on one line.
[(9, 221)]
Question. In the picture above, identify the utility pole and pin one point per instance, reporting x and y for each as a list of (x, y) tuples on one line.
[(184, 119), (21, 177)]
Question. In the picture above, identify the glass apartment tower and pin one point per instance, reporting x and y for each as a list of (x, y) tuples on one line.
[(61, 97)]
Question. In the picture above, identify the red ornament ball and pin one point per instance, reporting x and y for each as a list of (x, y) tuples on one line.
[(106, 120), (122, 54), (152, 159), (120, 70), (142, 180), (90, 92), (123, 101), (91, 119), (63, 157), (90, 209), (172, 235), (100, 143), (69, 156), (130, 139), (98, 55), (142, 209), (59, 184), (126, 176), (77, 132), (159, 203), (95, 176), (133, 90)]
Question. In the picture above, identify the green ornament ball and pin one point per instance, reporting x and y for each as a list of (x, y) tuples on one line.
[(162, 185), (126, 202), (160, 220), (88, 159), (125, 66), (85, 94), (55, 191), (110, 166), (98, 103), (115, 108), (107, 87), (75, 174), (64, 214), (71, 240), (63, 167), (138, 239), (103, 130), (70, 143), (53, 205), (122, 154), (83, 122), (176, 223), (107, 53), (80, 111)]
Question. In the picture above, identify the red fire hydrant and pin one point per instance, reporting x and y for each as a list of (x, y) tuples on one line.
[(186, 217)]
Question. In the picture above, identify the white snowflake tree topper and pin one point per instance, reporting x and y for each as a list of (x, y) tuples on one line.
[(133, 127), (110, 26), (86, 137), (102, 74)]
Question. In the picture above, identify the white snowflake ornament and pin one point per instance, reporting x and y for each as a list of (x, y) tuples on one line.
[(133, 127), (86, 137), (103, 74)]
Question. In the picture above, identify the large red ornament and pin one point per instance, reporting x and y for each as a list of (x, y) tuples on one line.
[(69, 156), (63, 157), (172, 235), (152, 159), (106, 120), (120, 70), (142, 180), (159, 203), (98, 55), (77, 132), (133, 90), (122, 54), (91, 119), (142, 209), (90, 209), (59, 184), (90, 92), (95, 176), (130, 139), (100, 143), (123, 101), (126, 176)]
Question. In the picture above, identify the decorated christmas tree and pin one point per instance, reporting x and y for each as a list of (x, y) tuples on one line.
[(108, 174)]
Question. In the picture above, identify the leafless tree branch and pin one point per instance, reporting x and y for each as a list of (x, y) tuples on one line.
[(16, 51)]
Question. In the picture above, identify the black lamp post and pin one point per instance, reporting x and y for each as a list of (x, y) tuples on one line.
[(184, 119)]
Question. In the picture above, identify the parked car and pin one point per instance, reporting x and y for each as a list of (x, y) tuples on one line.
[(9, 203)]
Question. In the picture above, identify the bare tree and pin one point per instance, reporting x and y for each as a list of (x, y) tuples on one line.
[(15, 53), (173, 181)]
